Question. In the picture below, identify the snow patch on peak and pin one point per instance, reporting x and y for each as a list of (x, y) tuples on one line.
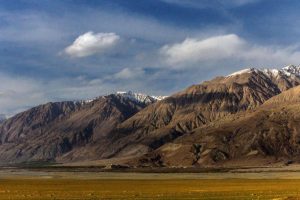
[(290, 70), (159, 98), (139, 97), (243, 71), (271, 72), (87, 101)]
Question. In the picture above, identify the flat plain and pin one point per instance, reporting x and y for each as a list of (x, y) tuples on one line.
[(27, 184)]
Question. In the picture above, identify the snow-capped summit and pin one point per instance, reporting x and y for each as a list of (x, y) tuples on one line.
[(243, 71), (290, 70), (139, 97), (158, 98)]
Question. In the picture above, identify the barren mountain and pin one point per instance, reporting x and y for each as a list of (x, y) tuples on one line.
[(265, 135), (33, 120), (197, 106), (242, 116), (48, 131)]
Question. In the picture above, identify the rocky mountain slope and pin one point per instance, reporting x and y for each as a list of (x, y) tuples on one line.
[(48, 131), (197, 106), (230, 119), (268, 134)]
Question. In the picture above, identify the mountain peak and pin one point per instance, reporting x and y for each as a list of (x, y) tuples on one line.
[(137, 97), (243, 71), (140, 97), (288, 70), (122, 125), (291, 69)]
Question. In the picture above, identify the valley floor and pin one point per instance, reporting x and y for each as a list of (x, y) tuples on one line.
[(47, 184)]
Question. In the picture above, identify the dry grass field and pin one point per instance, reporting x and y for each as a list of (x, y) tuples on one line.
[(149, 189)]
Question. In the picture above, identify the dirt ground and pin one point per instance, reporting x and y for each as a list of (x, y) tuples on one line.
[(30, 184)]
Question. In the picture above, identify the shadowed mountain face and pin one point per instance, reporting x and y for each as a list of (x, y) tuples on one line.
[(270, 133), (197, 106), (229, 119), (33, 121), (48, 131)]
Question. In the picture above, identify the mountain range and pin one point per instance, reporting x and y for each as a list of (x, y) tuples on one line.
[(248, 118)]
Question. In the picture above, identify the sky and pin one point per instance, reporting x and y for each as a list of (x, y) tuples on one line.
[(56, 50)]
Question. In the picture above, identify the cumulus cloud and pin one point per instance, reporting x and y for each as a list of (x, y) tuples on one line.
[(229, 47), (91, 43), (194, 50)]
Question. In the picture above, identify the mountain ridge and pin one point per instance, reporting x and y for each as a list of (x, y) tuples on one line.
[(179, 130), (48, 130)]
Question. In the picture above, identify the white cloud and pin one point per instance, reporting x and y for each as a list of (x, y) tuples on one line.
[(18, 93), (18, 27), (194, 50), (210, 3), (231, 48), (239, 2), (91, 43), (129, 73)]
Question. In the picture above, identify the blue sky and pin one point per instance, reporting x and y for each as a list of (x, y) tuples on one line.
[(53, 50)]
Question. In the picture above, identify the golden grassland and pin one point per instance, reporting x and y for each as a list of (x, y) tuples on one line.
[(150, 189)]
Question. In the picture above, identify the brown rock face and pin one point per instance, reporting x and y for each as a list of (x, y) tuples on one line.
[(197, 106), (51, 130), (32, 121), (270, 133)]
